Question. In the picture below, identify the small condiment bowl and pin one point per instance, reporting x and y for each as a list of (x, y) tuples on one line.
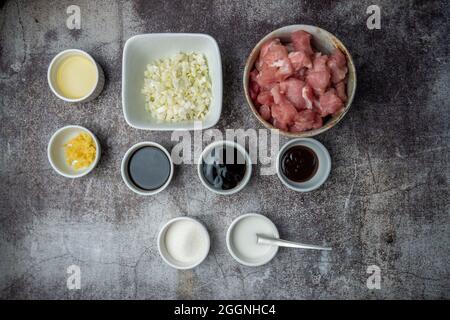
[(126, 176), (248, 171), (56, 153), (323, 169), (325, 42), (56, 62), (271, 253), (165, 255)]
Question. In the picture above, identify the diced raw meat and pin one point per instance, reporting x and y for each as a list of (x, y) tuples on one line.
[(308, 96), (273, 64), (253, 85), (258, 64), (285, 69), (280, 125), (341, 91), (338, 66), (292, 89), (320, 62), (278, 96), (274, 54), (316, 104), (253, 75), (302, 41), (301, 74), (267, 77), (319, 81), (289, 46), (264, 111), (338, 57), (265, 98), (283, 111), (306, 120), (265, 47), (329, 103), (299, 60), (254, 89), (319, 76)]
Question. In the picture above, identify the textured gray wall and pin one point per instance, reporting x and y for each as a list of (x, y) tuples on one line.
[(385, 203)]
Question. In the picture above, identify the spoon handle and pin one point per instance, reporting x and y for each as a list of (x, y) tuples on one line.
[(289, 244)]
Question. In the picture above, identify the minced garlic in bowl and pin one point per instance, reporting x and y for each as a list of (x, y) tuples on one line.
[(80, 151)]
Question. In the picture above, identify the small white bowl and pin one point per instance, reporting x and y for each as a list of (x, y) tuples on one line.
[(271, 253), (165, 254), (126, 177), (323, 171), (141, 50), (248, 171), (53, 67), (56, 154)]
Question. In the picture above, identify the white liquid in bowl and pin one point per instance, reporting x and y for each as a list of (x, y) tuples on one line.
[(243, 240)]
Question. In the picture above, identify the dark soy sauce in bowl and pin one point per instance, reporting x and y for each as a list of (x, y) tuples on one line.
[(299, 163), (149, 168), (224, 167)]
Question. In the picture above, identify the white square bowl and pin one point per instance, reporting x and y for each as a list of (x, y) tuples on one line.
[(141, 50)]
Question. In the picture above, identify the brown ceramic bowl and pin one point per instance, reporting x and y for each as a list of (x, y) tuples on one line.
[(323, 41)]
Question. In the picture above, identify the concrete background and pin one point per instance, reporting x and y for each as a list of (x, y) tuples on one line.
[(385, 203)]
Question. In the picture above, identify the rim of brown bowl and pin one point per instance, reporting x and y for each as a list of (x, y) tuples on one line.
[(333, 41)]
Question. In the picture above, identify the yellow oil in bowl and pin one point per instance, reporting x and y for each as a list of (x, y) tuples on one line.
[(76, 77)]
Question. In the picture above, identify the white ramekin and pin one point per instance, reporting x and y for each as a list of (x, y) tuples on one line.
[(323, 171), (126, 177), (51, 74), (242, 260), (248, 171), (55, 151), (163, 250)]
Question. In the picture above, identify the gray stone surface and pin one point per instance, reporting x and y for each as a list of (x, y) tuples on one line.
[(386, 202)]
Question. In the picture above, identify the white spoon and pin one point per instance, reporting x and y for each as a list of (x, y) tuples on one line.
[(289, 244)]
